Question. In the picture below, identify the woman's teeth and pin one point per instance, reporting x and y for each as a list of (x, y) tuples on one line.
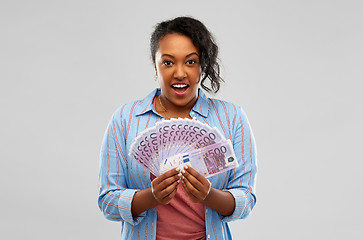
[(179, 86)]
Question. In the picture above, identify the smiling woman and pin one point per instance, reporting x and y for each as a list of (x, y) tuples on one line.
[(181, 203), (178, 71)]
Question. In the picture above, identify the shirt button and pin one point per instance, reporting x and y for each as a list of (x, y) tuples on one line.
[(208, 236)]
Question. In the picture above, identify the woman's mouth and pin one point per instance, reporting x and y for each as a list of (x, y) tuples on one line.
[(180, 88)]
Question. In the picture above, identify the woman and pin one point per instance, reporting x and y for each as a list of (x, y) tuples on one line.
[(181, 203)]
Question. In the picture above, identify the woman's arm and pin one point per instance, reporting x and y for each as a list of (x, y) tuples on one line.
[(120, 199), (238, 199)]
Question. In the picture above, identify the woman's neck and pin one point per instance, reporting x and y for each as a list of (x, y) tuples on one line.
[(168, 110)]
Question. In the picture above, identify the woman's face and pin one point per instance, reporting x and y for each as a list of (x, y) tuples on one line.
[(178, 71)]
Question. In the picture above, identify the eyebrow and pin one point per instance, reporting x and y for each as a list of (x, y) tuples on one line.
[(171, 56)]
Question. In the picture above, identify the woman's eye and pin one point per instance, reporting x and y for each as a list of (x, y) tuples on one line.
[(167, 63), (191, 62)]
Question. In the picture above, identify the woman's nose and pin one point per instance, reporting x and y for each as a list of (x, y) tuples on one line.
[(180, 72)]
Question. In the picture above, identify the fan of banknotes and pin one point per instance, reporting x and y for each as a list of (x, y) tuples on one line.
[(176, 142)]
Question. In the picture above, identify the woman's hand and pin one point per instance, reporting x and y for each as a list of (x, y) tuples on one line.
[(196, 186), (164, 187), (199, 189)]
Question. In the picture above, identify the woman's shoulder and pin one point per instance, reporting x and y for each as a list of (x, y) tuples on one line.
[(223, 105), (126, 110), (229, 111), (135, 107)]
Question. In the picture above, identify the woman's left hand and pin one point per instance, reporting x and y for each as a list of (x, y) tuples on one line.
[(196, 186)]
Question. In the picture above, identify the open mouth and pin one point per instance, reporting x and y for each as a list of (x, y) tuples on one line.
[(180, 87)]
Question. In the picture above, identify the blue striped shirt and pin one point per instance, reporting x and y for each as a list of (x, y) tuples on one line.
[(120, 176)]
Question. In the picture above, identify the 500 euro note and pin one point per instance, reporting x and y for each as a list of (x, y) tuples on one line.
[(208, 161)]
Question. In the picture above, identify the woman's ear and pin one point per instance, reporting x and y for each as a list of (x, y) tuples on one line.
[(156, 73), (202, 75)]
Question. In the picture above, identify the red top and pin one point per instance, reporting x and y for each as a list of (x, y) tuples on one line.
[(180, 218)]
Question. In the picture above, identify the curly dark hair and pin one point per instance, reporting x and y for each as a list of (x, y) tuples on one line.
[(202, 40)]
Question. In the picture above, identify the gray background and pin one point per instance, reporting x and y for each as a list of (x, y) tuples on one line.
[(294, 66)]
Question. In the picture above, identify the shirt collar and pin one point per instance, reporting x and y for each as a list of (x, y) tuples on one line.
[(146, 105), (201, 106)]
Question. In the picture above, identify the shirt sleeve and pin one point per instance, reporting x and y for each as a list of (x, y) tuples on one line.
[(115, 197), (241, 183)]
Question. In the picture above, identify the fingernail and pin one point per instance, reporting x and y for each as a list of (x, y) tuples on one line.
[(183, 177), (179, 175), (183, 171), (185, 166), (177, 169), (179, 180)]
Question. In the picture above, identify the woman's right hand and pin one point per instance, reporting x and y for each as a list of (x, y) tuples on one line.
[(164, 187)]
